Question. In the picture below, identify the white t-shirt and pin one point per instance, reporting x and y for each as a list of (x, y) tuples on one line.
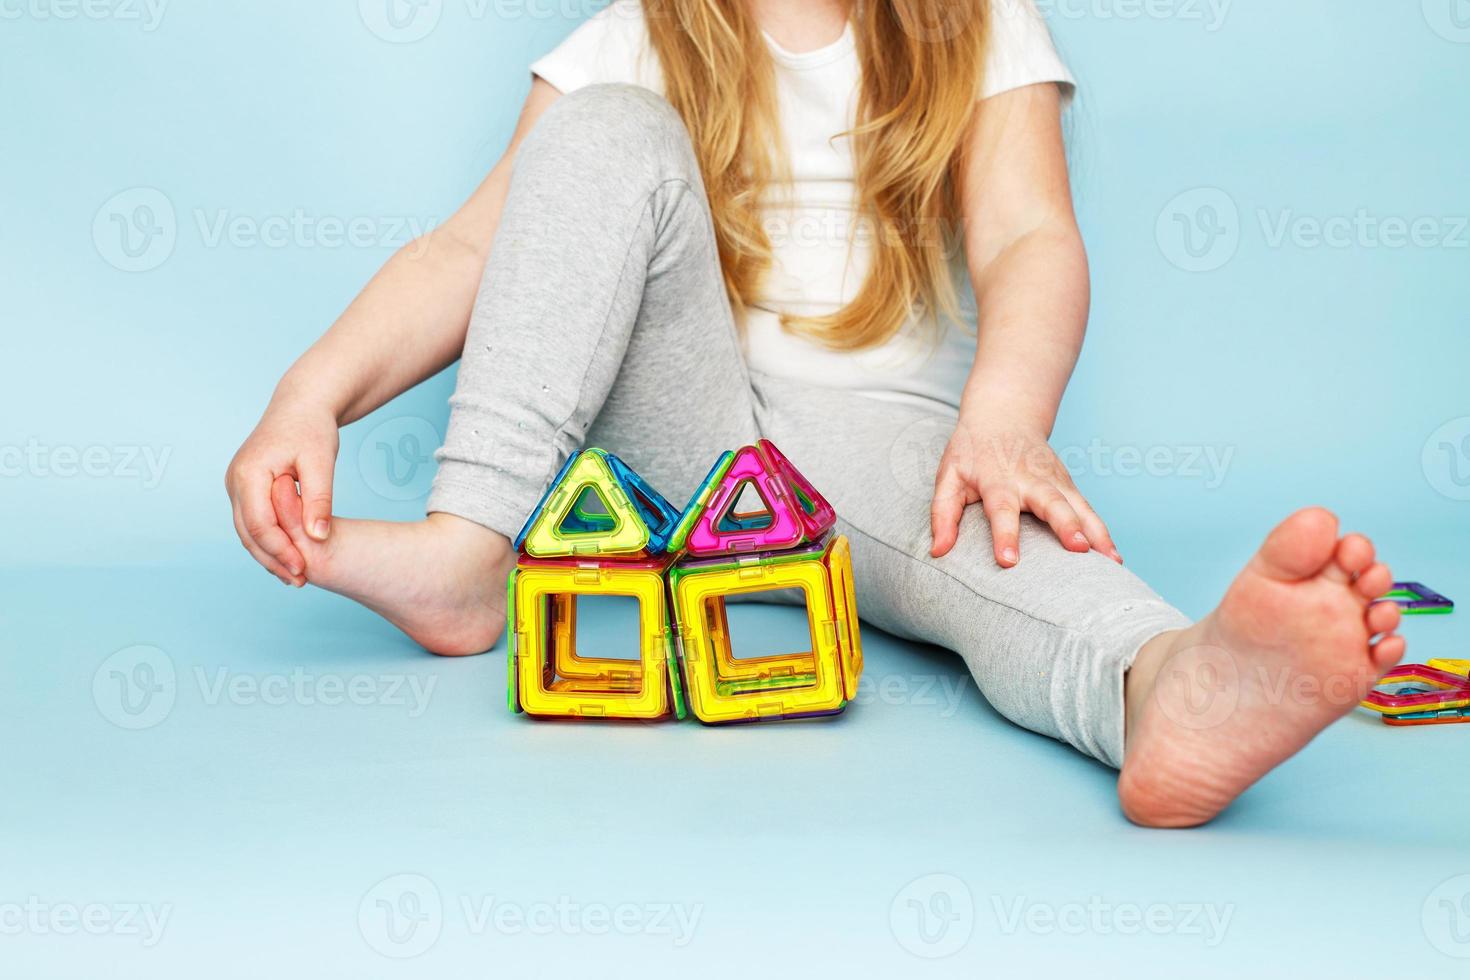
[(818, 266)]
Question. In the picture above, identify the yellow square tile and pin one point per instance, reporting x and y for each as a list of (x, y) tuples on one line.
[(643, 692), (704, 635)]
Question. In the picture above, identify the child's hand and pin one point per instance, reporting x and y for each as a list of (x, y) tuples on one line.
[(289, 440), (1009, 471)]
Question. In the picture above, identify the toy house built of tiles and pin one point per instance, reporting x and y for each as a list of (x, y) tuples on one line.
[(754, 525)]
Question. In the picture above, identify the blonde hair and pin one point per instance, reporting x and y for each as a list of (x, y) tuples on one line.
[(921, 62)]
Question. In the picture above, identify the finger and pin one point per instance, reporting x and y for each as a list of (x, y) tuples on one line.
[(1047, 503), (259, 519), (1003, 509), (315, 475), (268, 561), (950, 498), (1093, 526)]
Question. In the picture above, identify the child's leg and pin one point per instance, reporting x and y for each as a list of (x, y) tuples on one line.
[(1048, 641), (602, 316), (1051, 641)]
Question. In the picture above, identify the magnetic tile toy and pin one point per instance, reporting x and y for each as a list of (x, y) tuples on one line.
[(844, 599), (1415, 598), (1416, 688), (1435, 693), (749, 559), (794, 670), (717, 698), (816, 515), (792, 512), (635, 688), (1448, 716), (561, 621), (600, 530), (797, 666), (818, 680), (597, 507), (699, 503)]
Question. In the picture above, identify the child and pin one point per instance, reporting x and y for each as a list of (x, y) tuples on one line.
[(724, 219)]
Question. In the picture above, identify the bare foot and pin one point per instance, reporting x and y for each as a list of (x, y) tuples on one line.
[(1290, 649), (440, 580)]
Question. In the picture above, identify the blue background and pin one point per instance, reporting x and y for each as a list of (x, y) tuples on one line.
[(1331, 374)]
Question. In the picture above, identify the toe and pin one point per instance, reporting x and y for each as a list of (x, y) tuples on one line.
[(1374, 582), (1389, 651), (1354, 553), (1382, 617), (1300, 546), (288, 507)]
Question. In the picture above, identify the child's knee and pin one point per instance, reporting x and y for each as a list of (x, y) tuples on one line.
[(614, 127)]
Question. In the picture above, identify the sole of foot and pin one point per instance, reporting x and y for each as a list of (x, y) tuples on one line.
[(1295, 644)]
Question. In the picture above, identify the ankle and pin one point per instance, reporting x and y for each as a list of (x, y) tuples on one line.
[(1139, 681), (468, 544)]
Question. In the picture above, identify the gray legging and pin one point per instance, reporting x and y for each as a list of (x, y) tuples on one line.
[(603, 319)]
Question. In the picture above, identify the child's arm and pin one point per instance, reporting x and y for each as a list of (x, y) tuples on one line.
[(1030, 275), (407, 324)]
